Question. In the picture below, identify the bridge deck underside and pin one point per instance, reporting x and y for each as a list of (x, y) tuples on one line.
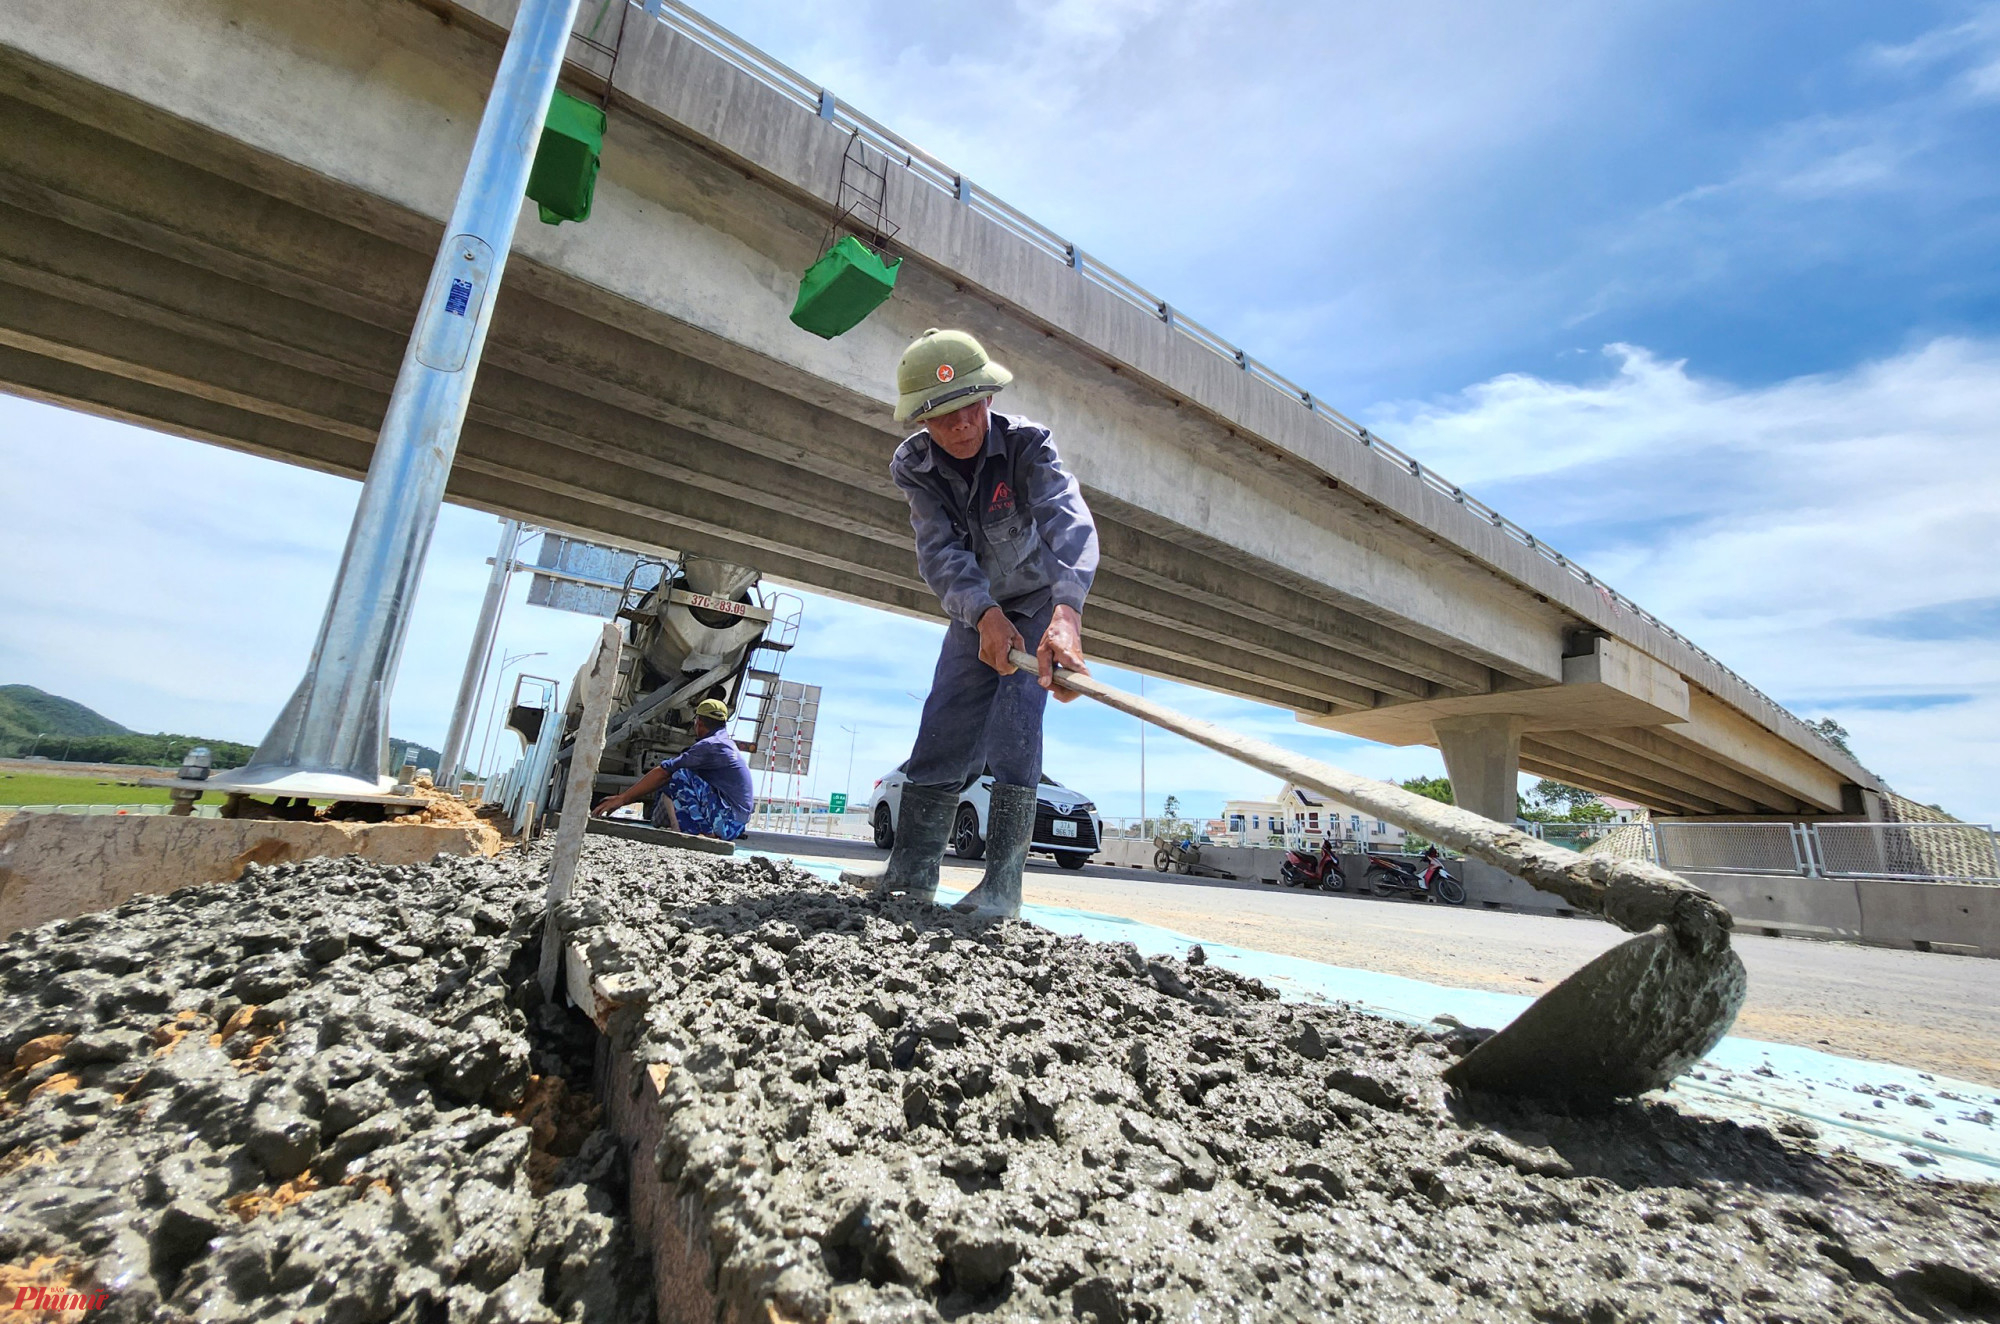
[(162, 275)]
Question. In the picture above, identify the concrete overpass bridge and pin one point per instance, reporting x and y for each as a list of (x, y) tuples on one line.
[(217, 217)]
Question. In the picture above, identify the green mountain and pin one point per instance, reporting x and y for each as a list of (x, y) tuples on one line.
[(34, 721), (27, 712)]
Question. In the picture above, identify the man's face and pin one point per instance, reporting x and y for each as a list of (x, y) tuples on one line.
[(961, 432)]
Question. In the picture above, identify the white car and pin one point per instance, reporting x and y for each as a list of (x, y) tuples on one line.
[(1066, 824)]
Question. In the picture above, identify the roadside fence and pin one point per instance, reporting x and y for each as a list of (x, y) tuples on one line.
[(797, 822), (1906, 852)]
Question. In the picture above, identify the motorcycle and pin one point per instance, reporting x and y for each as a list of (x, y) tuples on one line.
[(1433, 882), (1319, 870)]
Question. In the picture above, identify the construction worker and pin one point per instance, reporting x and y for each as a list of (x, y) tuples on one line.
[(1007, 544), (705, 789)]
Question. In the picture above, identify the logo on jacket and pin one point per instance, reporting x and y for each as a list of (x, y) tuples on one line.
[(1002, 499), (945, 373)]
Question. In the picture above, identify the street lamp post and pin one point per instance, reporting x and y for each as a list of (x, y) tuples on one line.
[(479, 657), (331, 736), (848, 785)]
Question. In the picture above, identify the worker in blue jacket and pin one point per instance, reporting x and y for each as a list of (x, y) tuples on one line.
[(705, 789), (1005, 541)]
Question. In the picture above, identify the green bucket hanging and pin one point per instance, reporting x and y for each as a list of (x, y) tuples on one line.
[(844, 286), (565, 172)]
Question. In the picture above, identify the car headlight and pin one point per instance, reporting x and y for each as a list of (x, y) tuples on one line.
[(1087, 807)]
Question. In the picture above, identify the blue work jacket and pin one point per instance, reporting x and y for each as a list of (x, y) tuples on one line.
[(1018, 537)]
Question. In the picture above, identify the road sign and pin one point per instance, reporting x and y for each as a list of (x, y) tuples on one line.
[(785, 722), (587, 577), (836, 803)]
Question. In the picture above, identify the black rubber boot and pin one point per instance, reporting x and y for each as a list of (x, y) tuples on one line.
[(1010, 823), (923, 821)]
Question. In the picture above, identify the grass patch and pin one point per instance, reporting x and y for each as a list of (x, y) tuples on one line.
[(55, 788)]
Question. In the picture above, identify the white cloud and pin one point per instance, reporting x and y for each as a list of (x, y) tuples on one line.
[(1771, 524)]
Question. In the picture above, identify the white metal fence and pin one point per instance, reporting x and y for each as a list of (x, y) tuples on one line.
[(1149, 829), (1909, 852), (851, 826), (522, 789), (900, 152)]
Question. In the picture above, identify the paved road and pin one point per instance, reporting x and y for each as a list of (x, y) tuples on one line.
[(1917, 1009)]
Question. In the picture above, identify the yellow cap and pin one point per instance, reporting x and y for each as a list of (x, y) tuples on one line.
[(715, 710)]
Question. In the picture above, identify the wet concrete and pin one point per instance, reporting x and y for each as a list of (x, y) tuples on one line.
[(328, 1093), (879, 1111), (322, 1093)]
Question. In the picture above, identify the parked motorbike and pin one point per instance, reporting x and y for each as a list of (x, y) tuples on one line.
[(1432, 882), (1320, 870)]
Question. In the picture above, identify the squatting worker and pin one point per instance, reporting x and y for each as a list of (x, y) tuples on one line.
[(1006, 543), (705, 789)]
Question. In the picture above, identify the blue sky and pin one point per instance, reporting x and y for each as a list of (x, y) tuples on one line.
[(1706, 295)]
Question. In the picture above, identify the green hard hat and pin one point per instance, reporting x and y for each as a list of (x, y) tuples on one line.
[(943, 371), (715, 710)]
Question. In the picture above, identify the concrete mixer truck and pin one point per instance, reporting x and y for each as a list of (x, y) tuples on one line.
[(695, 629)]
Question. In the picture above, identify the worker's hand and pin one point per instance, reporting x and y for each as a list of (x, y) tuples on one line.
[(997, 637), (607, 804), (1062, 645)]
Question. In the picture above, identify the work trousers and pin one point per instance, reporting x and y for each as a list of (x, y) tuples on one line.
[(976, 718)]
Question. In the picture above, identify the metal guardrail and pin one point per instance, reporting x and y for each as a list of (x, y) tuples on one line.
[(1898, 852), (850, 826), (521, 788), (821, 101), (1944, 852)]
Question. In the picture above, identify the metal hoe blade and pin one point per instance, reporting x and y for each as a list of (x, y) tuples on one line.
[(1629, 1021)]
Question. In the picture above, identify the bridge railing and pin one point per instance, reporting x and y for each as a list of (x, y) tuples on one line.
[(819, 100)]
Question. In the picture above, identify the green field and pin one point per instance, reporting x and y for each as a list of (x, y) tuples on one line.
[(55, 788)]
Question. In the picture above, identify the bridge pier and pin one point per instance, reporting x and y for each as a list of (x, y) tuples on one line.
[(1482, 757)]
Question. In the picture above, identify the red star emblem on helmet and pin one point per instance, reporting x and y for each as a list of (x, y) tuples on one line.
[(945, 373)]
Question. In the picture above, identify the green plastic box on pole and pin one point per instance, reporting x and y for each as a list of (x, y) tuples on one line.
[(843, 287), (565, 175)]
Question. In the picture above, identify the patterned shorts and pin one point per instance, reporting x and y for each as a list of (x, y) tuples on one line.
[(698, 808)]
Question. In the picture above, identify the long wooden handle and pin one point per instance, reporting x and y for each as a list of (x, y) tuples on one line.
[(1634, 894)]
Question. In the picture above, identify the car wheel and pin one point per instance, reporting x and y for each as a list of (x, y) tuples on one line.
[(966, 843), (1071, 859), (885, 828)]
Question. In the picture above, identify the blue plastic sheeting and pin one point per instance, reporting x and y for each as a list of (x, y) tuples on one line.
[(1923, 1124)]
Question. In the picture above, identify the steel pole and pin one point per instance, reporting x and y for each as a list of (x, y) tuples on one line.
[(480, 657), (331, 738)]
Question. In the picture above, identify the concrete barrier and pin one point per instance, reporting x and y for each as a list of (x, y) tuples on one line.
[(57, 866), (1961, 918), (1790, 907), (1249, 863)]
